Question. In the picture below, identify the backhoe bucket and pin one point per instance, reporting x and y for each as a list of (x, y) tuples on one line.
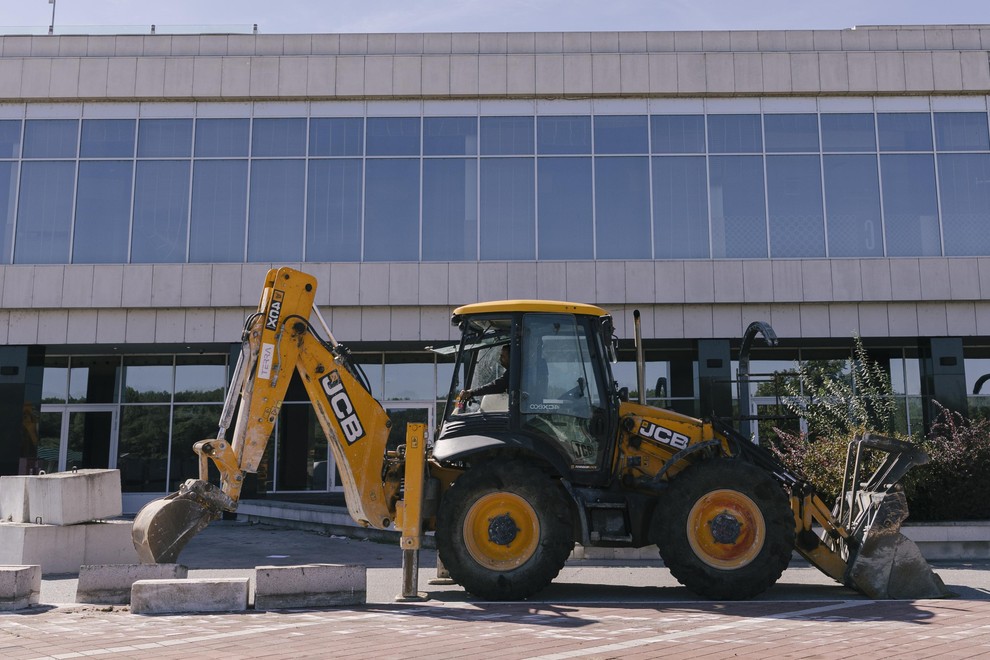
[(888, 564), (882, 562), (164, 526)]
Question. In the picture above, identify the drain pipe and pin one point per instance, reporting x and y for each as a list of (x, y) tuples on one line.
[(640, 362), (742, 374)]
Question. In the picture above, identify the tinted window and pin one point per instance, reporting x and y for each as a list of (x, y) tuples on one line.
[(44, 213), (275, 226), (794, 206), (852, 203), (734, 133), (563, 135), (164, 138), (503, 136), (450, 209), (508, 223), (10, 138), (910, 207), (738, 209), (965, 198), (910, 131), (393, 136), (219, 209), (8, 188), (161, 211), (790, 133), (50, 138), (336, 136), (848, 132), (103, 212), (333, 211), (279, 137), (107, 138), (623, 134), (622, 208), (680, 208), (564, 208), (961, 131), (222, 137), (391, 218), (450, 136), (678, 134)]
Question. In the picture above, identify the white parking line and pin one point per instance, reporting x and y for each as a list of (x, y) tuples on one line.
[(694, 632)]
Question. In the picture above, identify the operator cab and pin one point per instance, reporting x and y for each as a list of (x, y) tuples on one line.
[(558, 401)]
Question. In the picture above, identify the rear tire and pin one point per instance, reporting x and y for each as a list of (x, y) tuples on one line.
[(725, 530), (504, 530)]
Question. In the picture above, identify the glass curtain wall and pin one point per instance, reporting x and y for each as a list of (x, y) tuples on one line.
[(745, 185)]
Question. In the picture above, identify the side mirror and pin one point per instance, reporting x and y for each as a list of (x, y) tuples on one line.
[(624, 394)]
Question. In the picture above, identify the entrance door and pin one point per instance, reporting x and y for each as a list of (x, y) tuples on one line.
[(77, 436), (408, 412)]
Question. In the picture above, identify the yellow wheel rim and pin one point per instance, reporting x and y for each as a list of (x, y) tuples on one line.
[(501, 531), (726, 529)]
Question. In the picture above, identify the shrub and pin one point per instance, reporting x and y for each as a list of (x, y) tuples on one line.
[(955, 485)]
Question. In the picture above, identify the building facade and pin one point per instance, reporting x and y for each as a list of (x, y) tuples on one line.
[(828, 183)]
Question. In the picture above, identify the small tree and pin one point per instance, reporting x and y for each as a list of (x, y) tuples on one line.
[(839, 405)]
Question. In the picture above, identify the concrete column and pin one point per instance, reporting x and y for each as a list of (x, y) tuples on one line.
[(21, 371), (715, 377), (943, 376)]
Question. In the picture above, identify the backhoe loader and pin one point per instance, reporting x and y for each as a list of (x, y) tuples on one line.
[(511, 480)]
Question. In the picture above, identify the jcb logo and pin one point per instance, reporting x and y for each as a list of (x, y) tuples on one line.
[(676, 440), (342, 407), (274, 310)]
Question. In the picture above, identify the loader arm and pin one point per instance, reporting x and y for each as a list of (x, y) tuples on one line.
[(277, 341)]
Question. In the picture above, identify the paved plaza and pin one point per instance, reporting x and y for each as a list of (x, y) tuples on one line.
[(596, 609)]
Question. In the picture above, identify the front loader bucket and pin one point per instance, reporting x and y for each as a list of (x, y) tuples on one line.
[(164, 526), (882, 562), (887, 563)]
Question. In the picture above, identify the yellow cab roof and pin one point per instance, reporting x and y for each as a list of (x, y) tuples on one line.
[(510, 306)]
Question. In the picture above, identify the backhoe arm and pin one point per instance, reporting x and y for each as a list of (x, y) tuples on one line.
[(278, 340)]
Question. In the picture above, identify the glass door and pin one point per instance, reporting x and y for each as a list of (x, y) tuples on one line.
[(407, 412), (77, 436)]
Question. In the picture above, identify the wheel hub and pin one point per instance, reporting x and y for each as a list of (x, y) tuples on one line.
[(725, 528), (502, 529)]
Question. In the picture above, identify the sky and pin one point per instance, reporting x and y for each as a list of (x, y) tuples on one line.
[(334, 16)]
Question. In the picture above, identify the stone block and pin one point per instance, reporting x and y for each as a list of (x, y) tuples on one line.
[(109, 542), (310, 585), (110, 584), (67, 498), (20, 587), (57, 549), (14, 498), (193, 595)]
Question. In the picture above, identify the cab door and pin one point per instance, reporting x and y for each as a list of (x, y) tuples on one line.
[(562, 395)]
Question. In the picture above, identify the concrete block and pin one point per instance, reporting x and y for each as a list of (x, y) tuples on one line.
[(56, 548), (110, 584), (20, 587), (67, 498), (14, 498), (109, 542), (310, 585), (195, 595)]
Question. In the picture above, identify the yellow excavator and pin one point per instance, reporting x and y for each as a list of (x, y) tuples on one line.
[(530, 459)]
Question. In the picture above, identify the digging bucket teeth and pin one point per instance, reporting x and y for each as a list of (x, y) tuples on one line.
[(882, 562), (163, 527)]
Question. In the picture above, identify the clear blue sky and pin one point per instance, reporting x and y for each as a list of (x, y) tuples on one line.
[(294, 16)]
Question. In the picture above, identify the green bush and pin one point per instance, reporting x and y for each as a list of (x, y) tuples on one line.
[(955, 485)]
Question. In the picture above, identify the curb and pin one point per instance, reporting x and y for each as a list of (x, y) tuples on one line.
[(945, 541)]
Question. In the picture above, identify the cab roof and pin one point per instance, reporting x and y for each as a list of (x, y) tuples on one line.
[(510, 306)]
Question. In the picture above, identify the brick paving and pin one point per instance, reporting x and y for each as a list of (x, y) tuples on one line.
[(953, 628)]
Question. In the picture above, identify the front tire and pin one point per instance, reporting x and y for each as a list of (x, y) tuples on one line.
[(504, 530), (725, 530)]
